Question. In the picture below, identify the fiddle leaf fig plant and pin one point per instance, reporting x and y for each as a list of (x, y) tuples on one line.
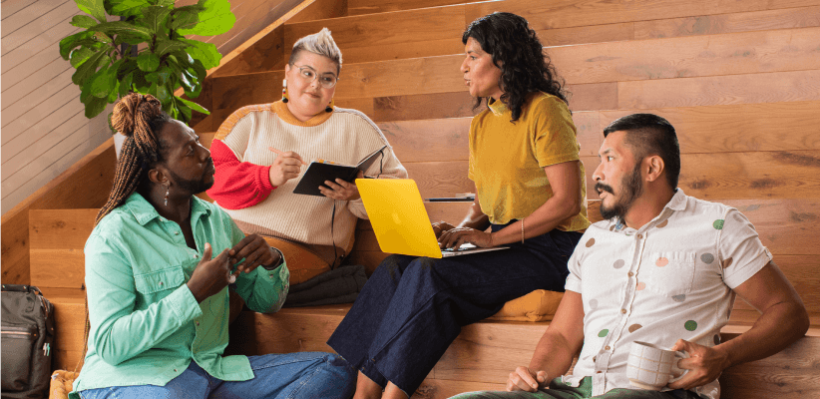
[(107, 67)]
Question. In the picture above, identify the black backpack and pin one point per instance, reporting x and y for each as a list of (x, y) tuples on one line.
[(27, 334)]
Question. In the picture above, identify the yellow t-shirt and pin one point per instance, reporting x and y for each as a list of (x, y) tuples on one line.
[(507, 159)]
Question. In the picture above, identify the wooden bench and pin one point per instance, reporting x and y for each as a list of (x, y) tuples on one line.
[(479, 359)]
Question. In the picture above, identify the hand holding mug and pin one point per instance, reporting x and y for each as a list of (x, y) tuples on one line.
[(703, 365)]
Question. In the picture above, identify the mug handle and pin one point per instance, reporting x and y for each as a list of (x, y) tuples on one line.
[(675, 369)]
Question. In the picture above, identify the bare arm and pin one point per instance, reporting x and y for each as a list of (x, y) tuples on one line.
[(556, 349), (565, 181), (783, 320)]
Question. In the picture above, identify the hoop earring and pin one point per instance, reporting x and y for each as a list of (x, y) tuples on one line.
[(167, 193), (284, 91)]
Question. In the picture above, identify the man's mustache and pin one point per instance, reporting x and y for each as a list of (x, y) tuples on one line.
[(603, 187)]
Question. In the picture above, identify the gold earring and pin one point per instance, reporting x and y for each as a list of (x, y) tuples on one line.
[(284, 90)]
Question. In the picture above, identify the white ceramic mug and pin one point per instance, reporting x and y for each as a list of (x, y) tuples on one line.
[(652, 367)]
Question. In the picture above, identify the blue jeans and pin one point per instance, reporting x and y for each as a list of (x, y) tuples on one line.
[(306, 375), (411, 309)]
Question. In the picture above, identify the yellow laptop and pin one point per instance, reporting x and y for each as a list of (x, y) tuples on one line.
[(400, 220)]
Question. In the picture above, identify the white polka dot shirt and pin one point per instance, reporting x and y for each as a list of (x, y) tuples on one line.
[(670, 279)]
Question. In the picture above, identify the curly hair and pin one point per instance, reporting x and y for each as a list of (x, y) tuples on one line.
[(516, 50), (140, 119)]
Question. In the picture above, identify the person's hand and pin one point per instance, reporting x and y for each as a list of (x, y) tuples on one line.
[(256, 252), (704, 364), (286, 166), (453, 238), (210, 275), (341, 190), (442, 226), (524, 379)]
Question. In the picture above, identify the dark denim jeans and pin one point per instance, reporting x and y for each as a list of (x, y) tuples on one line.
[(306, 375), (411, 309)]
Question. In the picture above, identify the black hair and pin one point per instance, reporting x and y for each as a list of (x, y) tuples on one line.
[(650, 134), (516, 50)]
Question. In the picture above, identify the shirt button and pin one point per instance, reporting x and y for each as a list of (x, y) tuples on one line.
[(640, 236), (607, 347), (595, 358), (176, 233), (160, 283), (175, 370), (623, 311), (630, 274), (197, 323), (598, 372)]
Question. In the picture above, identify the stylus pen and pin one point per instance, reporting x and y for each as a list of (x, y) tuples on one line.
[(280, 152), (451, 199)]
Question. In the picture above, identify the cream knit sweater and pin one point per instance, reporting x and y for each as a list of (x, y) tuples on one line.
[(343, 136)]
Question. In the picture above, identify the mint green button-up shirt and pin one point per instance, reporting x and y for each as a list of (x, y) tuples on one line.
[(146, 326)]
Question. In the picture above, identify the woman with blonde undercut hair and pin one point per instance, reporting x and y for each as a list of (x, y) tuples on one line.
[(254, 184)]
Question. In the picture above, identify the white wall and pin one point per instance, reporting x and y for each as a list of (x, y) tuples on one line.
[(43, 130)]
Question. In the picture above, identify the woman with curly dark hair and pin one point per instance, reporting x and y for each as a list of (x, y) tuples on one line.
[(530, 190)]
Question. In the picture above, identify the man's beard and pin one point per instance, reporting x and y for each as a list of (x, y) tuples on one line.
[(631, 187), (195, 186)]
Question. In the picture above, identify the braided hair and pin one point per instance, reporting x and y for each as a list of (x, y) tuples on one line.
[(140, 119), (515, 48)]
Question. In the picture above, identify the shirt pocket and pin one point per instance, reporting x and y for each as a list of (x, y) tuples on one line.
[(668, 273), (159, 280)]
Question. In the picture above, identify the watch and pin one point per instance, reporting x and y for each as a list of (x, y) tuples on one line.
[(278, 263)]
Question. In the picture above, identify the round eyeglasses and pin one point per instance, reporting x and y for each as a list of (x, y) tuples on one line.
[(326, 80)]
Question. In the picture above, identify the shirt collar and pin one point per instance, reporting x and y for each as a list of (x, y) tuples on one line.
[(144, 212), (498, 108), (676, 204)]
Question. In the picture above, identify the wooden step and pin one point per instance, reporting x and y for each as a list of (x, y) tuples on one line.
[(437, 31), (481, 355), (362, 7), (433, 78)]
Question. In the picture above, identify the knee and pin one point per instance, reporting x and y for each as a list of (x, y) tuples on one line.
[(339, 366)]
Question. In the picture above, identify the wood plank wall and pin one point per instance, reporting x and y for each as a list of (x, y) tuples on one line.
[(739, 80), (44, 130)]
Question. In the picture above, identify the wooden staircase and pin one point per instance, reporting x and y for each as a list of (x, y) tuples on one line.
[(739, 80)]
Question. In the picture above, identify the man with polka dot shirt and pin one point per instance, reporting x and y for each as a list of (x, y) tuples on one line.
[(661, 268)]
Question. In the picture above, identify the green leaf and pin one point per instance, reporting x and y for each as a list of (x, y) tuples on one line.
[(94, 8), (166, 46), (88, 68), (101, 37), (185, 19), (80, 55), (123, 28), (104, 81), (163, 94), (95, 106), (114, 94), (155, 16), (127, 8), (148, 62), (68, 43), (125, 84), (204, 52), (184, 110), (215, 19), (165, 3), (83, 21), (194, 106)]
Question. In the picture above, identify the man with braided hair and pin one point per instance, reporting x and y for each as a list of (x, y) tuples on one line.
[(158, 299)]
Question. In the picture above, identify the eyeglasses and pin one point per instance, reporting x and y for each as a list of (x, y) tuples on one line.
[(327, 80)]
